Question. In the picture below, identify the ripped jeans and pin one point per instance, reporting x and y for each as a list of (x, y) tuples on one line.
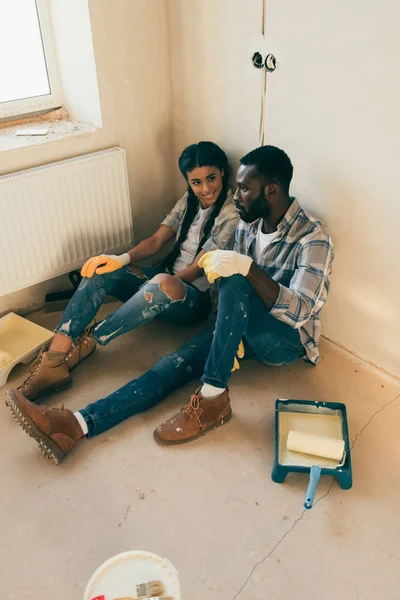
[(143, 300), (241, 315)]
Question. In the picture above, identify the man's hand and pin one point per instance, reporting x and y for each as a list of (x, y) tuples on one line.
[(105, 263), (224, 263)]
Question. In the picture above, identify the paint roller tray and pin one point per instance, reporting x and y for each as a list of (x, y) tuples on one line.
[(20, 341), (318, 418)]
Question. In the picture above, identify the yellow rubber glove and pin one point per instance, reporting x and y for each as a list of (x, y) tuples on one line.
[(205, 263), (105, 263), (225, 263), (239, 354)]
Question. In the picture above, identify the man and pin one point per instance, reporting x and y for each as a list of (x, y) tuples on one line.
[(272, 288)]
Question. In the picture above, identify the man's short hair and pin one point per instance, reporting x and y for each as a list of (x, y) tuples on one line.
[(271, 163)]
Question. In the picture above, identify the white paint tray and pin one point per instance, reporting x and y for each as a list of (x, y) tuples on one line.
[(119, 576), (22, 340), (325, 422), (319, 418)]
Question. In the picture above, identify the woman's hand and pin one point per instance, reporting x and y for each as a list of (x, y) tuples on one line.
[(192, 272), (105, 263)]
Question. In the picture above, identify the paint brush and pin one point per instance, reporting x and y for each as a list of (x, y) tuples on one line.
[(150, 589)]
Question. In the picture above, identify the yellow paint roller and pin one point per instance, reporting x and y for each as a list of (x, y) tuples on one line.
[(317, 445)]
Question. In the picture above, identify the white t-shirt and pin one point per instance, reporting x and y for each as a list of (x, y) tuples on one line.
[(188, 249), (262, 241)]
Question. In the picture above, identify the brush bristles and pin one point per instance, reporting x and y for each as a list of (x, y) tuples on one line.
[(151, 588)]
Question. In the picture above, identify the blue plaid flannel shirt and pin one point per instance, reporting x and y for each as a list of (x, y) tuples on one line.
[(299, 259)]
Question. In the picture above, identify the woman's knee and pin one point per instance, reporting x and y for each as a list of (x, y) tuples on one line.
[(170, 285), (106, 281), (95, 280), (88, 283)]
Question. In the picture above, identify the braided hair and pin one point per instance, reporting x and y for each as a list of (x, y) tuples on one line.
[(203, 154)]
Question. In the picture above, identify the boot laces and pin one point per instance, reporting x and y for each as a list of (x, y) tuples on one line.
[(59, 408), (192, 409), (82, 339), (33, 369)]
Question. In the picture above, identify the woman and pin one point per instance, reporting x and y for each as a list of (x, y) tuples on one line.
[(204, 219)]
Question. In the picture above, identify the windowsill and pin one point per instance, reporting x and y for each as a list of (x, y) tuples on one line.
[(59, 126)]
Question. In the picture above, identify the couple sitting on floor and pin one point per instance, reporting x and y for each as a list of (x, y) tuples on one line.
[(272, 263)]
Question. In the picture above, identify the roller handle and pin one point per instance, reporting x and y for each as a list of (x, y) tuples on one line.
[(315, 474)]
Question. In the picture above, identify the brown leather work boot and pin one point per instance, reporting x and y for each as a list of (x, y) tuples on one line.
[(195, 419), (84, 346), (47, 374), (56, 430)]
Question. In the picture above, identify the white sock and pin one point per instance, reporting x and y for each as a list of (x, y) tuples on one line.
[(81, 422), (210, 391)]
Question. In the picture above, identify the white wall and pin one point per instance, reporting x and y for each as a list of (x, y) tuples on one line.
[(333, 104), (72, 34), (130, 41), (216, 92)]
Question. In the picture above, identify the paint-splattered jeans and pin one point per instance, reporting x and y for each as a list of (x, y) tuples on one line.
[(241, 315), (143, 300)]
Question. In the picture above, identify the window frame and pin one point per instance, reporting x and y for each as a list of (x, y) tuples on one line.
[(15, 108)]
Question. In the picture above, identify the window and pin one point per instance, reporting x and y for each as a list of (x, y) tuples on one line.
[(28, 64)]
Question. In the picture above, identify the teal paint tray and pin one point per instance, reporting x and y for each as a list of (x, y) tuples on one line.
[(318, 418)]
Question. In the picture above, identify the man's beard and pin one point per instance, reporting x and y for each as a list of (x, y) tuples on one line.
[(259, 209)]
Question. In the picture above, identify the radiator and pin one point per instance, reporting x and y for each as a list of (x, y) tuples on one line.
[(53, 217)]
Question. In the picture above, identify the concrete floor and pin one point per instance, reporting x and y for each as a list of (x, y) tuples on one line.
[(210, 506)]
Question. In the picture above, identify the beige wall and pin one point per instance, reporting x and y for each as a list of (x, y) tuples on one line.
[(216, 92), (340, 124), (131, 52)]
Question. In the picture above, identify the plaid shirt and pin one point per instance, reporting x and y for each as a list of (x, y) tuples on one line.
[(299, 259)]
